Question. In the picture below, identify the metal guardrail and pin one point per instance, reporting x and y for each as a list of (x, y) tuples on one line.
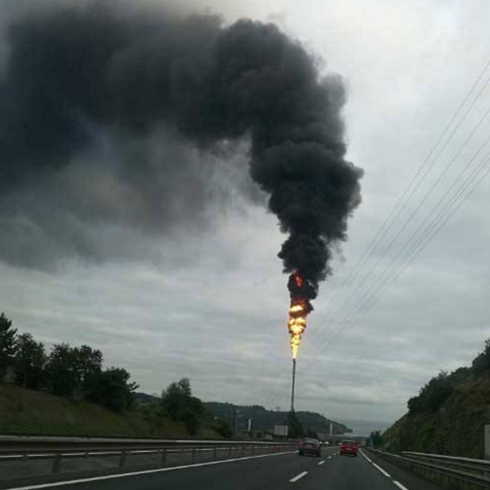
[(456, 472), (29, 450)]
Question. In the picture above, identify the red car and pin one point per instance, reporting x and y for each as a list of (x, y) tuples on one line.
[(310, 446), (348, 447)]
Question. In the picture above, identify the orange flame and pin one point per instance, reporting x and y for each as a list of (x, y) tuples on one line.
[(296, 324)]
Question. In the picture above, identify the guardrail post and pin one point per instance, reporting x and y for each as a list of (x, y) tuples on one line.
[(24, 457), (56, 463), (164, 456), (230, 449), (122, 459), (215, 452), (193, 455)]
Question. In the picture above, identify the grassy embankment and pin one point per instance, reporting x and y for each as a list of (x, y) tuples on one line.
[(455, 428), (32, 412)]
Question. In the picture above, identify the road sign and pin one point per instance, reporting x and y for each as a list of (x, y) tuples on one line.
[(281, 430)]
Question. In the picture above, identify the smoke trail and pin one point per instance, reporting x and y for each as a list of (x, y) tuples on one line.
[(74, 73)]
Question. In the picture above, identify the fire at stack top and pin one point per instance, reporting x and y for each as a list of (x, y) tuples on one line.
[(301, 291), (299, 308)]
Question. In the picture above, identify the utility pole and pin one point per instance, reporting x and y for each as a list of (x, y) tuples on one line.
[(293, 383), (236, 421)]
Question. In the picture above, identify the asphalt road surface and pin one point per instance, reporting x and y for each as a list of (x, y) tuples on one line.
[(275, 471)]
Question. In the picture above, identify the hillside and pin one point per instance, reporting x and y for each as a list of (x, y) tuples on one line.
[(449, 414), (33, 412), (264, 420)]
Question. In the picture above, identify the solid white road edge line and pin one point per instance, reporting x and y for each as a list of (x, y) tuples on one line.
[(399, 485), (320, 463), (297, 477), (362, 452), (381, 469), (145, 472)]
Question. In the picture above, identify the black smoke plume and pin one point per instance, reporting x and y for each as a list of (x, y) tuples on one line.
[(76, 72)]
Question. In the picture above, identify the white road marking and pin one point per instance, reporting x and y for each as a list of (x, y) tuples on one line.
[(330, 457), (320, 463), (145, 472), (399, 485), (381, 469), (362, 452), (298, 477)]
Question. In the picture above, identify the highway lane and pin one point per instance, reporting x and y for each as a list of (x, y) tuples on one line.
[(280, 471)]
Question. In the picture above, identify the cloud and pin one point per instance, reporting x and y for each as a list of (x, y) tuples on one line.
[(210, 302), (115, 111)]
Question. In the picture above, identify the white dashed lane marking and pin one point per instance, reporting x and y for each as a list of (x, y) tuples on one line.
[(298, 477), (399, 485)]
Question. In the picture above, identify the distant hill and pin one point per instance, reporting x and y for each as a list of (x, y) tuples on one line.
[(365, 427), (144, 398), (449, 414), (264, 420)]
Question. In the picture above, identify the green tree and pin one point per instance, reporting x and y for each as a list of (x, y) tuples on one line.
[(295, 428), (8, 344), (222, 427), (376, 439), (432, 395), (482, 361), (30, 360), (61, 373), (179, 404), (176, 398), (73, 371), (113, 390), (88, 366)]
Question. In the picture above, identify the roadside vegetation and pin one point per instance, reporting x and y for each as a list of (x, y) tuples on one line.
[(448, 415), (69, 391)]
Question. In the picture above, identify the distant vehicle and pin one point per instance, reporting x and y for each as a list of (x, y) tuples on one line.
[(310, 446), (348, 447), (268, 438)]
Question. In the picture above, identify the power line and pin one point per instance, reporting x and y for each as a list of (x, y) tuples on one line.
[(477, 176), (410, 190), (393, 241)]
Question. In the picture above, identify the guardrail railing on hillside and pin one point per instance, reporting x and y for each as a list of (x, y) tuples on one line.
[(131, 453), (456, 472)]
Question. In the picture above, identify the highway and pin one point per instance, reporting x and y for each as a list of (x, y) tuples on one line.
[(264, 472)]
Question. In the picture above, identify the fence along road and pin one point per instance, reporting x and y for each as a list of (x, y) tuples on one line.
[(251, 467), (35, 459)]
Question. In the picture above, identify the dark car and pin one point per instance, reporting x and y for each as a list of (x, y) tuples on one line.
[(310, 446), (348, 447)]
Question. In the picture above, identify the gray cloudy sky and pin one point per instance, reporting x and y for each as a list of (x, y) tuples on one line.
[(209, 302)]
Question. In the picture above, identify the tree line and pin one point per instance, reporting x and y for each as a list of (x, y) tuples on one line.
[(73, 372), (78, 373), (434, 393)]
